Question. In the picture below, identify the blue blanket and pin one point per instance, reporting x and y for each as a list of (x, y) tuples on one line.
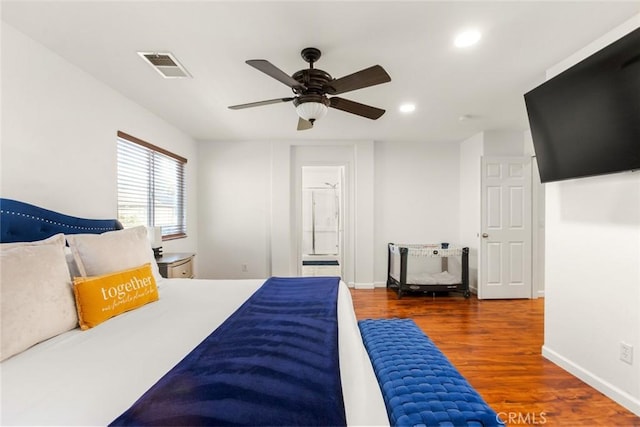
[(419, 385), (273, 362)]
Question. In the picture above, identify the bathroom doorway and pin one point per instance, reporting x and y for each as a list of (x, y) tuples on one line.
[(322, 220)]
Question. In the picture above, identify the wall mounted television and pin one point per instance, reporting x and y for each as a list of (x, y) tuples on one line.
[(586, 120)]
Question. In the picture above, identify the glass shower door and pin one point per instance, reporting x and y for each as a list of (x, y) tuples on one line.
[(321, 222)]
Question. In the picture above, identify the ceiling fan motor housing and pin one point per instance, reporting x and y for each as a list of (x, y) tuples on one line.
[(312, 80), (312, 90)]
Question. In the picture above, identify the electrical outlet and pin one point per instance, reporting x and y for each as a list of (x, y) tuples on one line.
[(626, 353), (244, 268)]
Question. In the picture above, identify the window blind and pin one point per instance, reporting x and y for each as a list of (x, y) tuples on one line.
[(151, 187)]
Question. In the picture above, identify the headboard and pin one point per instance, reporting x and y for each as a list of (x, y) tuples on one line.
[(22, 222)]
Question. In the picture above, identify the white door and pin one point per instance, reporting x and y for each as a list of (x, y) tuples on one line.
[(505, 243)]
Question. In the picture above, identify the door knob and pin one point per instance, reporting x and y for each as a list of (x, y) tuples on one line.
[(485, 235)]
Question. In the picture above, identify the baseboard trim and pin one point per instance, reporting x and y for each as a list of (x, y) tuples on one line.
[(363, 285), (614, 393)]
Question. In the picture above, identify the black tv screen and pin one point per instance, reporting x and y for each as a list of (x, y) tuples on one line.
[(586, 120)]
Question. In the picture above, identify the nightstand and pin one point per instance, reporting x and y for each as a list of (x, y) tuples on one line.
[(176, 265)]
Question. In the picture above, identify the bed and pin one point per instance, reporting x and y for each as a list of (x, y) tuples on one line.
[(92, 376), (428, 268)]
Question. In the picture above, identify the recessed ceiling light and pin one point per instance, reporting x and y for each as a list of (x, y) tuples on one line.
[(407, 108), (467, 38)]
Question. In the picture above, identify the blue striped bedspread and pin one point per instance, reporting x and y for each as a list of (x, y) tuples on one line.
[(273, 362)]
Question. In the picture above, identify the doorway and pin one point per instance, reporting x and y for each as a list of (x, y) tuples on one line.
[(322, 220)]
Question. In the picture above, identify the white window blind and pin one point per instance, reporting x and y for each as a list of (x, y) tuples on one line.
[(151, 187)]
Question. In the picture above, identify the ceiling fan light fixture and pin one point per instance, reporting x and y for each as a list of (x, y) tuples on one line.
[(312, 110)]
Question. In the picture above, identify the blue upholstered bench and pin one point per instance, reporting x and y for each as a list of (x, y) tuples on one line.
[(419, 385)]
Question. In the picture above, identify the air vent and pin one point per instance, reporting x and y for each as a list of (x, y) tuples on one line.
[(165, 64)]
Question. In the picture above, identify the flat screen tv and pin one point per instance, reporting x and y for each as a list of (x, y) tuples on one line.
[(586, 120)]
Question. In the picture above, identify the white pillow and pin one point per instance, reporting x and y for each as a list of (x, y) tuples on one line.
[(99, 254), (56, 239), (36, 298)]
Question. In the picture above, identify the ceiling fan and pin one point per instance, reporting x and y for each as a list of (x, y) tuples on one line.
[(311, 87)]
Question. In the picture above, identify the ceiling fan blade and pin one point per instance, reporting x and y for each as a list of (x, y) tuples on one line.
[(304, 124), (271, 70), (353, 107), (260, 103), (360, 79)]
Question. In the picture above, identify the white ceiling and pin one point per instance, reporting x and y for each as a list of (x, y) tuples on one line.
[(412, 40)]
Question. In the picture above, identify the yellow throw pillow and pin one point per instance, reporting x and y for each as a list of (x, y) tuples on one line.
[(100, 298)]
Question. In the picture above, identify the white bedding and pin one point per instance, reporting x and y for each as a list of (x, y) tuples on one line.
[(90, 377)]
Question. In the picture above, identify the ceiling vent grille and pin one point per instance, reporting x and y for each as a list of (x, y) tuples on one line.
[(166, 64)]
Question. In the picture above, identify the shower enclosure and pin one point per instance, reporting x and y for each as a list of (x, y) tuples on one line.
[(321, 219)]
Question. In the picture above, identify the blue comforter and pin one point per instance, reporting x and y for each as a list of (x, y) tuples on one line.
[(273, 362)]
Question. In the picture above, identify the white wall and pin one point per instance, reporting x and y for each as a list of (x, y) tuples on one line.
[(537, 220), (592, 282), (234, 209), (503, 143), (247, 206), (59, 125), (471, 151), (400, 192), (416, 196)]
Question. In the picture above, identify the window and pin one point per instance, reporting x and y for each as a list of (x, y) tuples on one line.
[(150, 187)]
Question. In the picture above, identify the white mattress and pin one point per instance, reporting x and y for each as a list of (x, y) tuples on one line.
[(91, 377)]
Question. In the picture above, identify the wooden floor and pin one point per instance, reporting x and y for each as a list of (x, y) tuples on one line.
[(496, 346)]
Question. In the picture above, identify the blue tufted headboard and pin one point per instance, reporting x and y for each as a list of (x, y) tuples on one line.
[(22, 222)]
